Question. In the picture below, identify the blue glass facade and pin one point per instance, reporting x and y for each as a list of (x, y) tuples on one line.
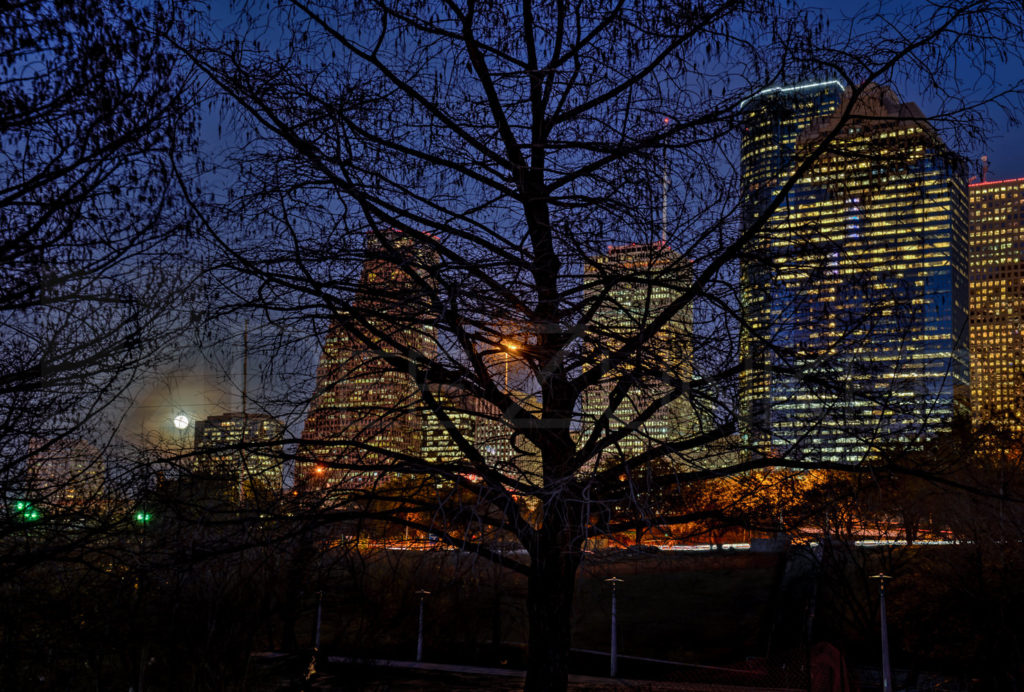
[(771, 121), (860, 294)]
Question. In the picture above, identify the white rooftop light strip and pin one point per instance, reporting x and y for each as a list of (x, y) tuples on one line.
[(798, 87)]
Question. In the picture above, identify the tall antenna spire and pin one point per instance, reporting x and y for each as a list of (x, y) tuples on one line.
[(664, 192), (245, 366)]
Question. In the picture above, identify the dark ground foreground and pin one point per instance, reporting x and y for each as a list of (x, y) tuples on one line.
[(709, 620), (710, 609), (336, 675)]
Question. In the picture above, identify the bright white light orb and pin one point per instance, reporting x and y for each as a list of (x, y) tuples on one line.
[(181, 421)]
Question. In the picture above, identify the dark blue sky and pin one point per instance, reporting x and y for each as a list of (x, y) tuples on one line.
[(200, 391), (1004, 143)]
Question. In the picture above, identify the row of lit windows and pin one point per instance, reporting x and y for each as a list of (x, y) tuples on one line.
[(995, 290)]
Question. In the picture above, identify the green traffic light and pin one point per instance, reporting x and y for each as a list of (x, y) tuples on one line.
[(26, 511), (142, 517)]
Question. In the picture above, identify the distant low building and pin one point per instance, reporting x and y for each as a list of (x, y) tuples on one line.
[(485, 429), (65, 472), (242, 453)]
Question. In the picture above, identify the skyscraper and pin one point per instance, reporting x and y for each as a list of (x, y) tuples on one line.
[(772, 121), (243, 452), (997, 303), (855, 292), (481, 424), (629, 287), (367, 406)]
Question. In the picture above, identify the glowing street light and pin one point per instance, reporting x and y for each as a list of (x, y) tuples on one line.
[(509, 347), (26, 511)]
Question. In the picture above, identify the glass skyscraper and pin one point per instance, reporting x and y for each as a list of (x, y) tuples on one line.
[(854, 291), (771, 121)]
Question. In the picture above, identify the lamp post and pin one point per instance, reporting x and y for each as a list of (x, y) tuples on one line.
[(886, 670), (614, 671), (423, 593), (319, 614), (311, 668), (508, 347)]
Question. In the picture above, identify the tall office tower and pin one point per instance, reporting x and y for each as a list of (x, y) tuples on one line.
[(772, 121), (481, 424), (367, 406), (629, 287), (856, 291), (997, 303), (241, 453), (439, 445)]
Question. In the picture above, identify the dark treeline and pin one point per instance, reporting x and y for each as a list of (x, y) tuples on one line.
[(486, 263)]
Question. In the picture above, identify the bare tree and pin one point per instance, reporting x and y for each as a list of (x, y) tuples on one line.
[(93, 108), (434, 187)]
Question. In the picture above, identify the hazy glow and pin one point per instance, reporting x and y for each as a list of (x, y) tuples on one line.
[(181, 421)]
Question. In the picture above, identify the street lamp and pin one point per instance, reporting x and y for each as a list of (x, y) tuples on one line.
[(509, 347), (886, 670), (614, 581), (423, 593), (319, 618), (311, 668)]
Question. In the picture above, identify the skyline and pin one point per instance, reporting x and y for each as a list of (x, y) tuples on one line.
[(177, 404), (411, 205)]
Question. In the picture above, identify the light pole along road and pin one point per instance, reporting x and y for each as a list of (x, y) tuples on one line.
[(886, 670), (422, 593), (614, 668)]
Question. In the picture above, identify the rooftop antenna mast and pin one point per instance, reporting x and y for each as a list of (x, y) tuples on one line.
[(245, 416), (664, 192), (984, 168), (245, 367)]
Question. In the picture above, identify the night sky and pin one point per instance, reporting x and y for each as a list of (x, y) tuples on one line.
[(1005, 143), (201, 392)]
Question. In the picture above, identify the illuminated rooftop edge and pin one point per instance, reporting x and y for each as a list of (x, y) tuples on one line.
[(798, 87), (996, 182)]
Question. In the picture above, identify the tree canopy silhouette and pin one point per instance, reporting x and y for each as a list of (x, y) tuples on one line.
[(525, 218)]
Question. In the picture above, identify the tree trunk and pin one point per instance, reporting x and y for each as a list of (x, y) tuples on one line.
[(549, 606), (296, 583)]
